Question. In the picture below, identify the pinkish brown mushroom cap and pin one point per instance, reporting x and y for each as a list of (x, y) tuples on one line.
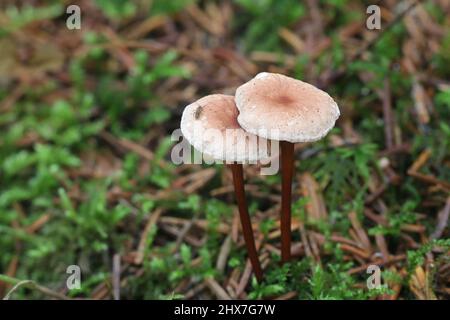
[(210, 125), (278, 107)]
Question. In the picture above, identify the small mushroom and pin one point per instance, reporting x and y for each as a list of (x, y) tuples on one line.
[(277, 107), (210, 125)]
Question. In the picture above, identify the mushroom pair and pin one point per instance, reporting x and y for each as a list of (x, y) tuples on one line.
[(270, 107)]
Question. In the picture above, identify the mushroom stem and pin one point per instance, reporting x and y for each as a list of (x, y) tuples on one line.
[(238, 180), (287, 171)]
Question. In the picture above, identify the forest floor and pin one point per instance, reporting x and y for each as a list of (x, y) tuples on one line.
[(86, 177)]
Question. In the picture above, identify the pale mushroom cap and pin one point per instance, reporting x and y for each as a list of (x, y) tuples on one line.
[(210, 125), (278, 107)]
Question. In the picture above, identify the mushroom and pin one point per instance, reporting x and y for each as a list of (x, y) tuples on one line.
[(210, 125), (277, 107)]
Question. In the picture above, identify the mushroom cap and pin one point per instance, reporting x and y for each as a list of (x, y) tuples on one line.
[(278, 107), (210, 125)]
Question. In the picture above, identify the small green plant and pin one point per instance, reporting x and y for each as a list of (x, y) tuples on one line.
[(262, 33), (396, 220)]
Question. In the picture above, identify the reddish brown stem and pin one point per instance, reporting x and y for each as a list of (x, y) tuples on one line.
[(238, 179), (287, 171)]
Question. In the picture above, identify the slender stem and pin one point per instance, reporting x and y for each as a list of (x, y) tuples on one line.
[(287, 171), (238, 180)]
